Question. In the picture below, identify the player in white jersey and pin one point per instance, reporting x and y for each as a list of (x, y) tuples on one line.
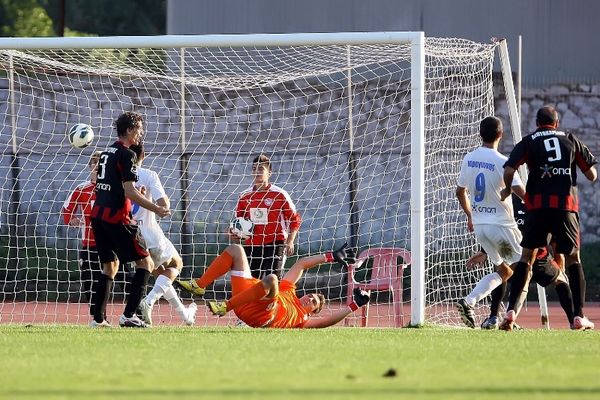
[(478, 192), (162, 251)]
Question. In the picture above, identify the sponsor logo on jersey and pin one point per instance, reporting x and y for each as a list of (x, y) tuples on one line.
[(550, 171), (483, 209), (103, 186), (481, 164)]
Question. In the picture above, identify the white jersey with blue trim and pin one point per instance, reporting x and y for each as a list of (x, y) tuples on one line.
[(146, 219), (482, 173)]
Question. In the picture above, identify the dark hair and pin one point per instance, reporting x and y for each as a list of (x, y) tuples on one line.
[(546, 115), (262, 159), (489, 129), (138, 149), (128, 119)]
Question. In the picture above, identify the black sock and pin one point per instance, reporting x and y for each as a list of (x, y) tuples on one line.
[(497, 295), (138, 289), (519, 279), (93, 290), (566, 299), (100, 297), (577, 283)]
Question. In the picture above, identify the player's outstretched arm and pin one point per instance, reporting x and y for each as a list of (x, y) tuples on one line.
[(343, 255), (360, 298)]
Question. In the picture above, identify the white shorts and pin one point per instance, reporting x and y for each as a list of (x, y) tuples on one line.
[(501, 243), (163, 253)]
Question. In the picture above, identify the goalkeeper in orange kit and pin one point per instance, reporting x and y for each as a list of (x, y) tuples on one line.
[(269, 302)]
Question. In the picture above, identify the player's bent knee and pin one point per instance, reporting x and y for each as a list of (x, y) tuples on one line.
[(271, 280)]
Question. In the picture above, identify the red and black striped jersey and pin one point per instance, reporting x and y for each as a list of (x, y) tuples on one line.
[(552, 158), (115, 166), (80, 203)]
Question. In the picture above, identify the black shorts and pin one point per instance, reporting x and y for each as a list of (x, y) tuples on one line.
[(121, 241), (545, 271), (266, 259), (562, 225)]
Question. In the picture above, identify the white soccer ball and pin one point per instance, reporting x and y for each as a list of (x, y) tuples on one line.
[(241, 227), (80, 135)]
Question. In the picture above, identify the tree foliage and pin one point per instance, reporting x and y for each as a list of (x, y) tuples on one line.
[(20, 18)]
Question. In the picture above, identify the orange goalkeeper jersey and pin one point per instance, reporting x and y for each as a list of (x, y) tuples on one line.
[(282, 311)]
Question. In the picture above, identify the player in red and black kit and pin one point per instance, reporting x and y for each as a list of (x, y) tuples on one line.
[(76, 212), (117, 235), (552, 205), (276, 221), (547, 270)]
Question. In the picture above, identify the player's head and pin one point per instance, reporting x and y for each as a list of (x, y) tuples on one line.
[(490, 129), (261, 169), (312, 303), (93, 164), (138, 149), (547, 117), (130, 126)]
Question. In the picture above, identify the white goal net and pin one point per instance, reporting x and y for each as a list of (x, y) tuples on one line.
[(334, 119)]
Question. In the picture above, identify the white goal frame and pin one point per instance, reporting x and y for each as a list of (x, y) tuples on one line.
[(417, 157)]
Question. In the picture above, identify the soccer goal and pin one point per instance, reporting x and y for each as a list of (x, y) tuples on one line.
[(365, 131)]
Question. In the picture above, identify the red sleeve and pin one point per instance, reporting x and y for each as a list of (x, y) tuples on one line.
[(291, 214), (70, 206), (240, 209)]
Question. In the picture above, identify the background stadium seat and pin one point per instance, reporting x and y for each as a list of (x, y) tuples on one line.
[(386, 275)]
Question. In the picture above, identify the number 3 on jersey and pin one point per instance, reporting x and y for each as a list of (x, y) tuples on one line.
[(479, 187)]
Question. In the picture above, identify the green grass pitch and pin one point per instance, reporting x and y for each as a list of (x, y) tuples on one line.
[(64, 362)]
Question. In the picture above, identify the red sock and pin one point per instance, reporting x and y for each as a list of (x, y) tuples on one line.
[(253, 293), (217, 268)]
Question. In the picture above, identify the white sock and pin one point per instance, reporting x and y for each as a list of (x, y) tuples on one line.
[(485, 286), (161, 285), (173, 299)]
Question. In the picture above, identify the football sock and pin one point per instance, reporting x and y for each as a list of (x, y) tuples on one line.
[(100, 297), (577, 282), (94, 289), (519, 281), (253, 293), (483, 288), (138, 287), (217, 268), (566, 299), (497, 296), (161, 285), (174, 301), (87, 281)]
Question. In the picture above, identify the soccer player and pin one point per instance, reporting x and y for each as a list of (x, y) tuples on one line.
[(117, 236), (552, 204), (167, 260), (490, 218), (76, 212), (271, 303), (276, 221)]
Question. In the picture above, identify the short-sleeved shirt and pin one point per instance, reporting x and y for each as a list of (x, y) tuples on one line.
[(482, 172), (146, 219), (551, 157), (115, 166), (282, 311), (272, 211)]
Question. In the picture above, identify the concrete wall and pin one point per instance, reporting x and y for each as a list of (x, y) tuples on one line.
[(559, 36)]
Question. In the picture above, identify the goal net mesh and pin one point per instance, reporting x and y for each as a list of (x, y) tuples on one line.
[(335, 121)]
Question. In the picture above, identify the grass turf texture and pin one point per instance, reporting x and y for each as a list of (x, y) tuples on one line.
[(59, 362)]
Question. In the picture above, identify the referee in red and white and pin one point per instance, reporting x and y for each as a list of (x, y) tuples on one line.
[(276, 221)]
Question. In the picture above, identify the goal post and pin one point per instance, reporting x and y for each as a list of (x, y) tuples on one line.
[(404, 107)]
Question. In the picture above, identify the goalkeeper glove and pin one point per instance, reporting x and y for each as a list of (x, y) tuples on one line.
[(343, 255), (360, 297)]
